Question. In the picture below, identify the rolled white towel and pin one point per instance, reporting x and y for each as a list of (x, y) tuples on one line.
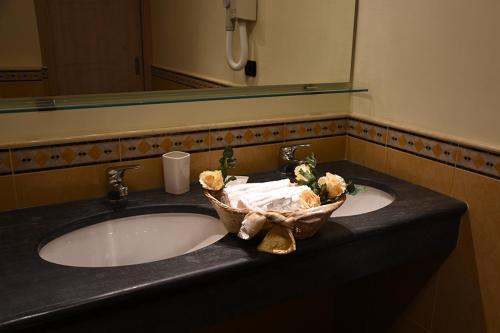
[(266, 186), (279, 199), (236, 192)]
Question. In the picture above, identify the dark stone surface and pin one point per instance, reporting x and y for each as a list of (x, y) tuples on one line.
[(216, 282)]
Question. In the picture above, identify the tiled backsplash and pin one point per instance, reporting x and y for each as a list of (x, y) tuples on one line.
[(451, 153), (38, 158), (32, 159)]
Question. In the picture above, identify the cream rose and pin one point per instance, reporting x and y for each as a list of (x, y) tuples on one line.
[(211, 180), (309, 199), (335, 184), (298, 175)]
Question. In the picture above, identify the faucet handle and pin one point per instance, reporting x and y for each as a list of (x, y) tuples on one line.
[(115, 174), (287, 153), (120, 170), (118, 189)]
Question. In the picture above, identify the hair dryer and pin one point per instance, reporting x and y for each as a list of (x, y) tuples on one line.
[(238, 12)]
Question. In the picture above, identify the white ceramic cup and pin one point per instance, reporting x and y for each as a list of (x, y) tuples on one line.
[(176, 165)]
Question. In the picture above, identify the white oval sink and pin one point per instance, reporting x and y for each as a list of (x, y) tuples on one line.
[(134, 240), (367, 200)]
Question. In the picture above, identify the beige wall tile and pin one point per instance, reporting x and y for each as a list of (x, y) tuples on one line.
[(325, 149), (149, 176), (55, 186), (263, 158), (7, 193), (434, 175), (468, 280), (483, 195), (366, 153), (62, 185), (251, 159), (459, 307), (199, 163)]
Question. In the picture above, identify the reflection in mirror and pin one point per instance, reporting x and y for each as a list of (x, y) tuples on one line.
[(74, 47)]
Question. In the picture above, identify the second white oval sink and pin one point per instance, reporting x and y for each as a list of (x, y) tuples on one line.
[(134, 240), (369, 199)]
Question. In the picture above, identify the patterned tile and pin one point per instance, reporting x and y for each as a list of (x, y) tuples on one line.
[(190, 142), (367, 131), (231, 137), (40, 158), (423, 146), (160, 144), (265, 134), (479, 161), (245, 136), (26, 75), (144, 146), (68, 155), (314, 129), (5, 168), (435, 149)]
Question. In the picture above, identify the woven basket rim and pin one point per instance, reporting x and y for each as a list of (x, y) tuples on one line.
[(210, 196)]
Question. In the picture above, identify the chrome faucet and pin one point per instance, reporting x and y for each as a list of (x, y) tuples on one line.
[(288, 162), (118, 189)]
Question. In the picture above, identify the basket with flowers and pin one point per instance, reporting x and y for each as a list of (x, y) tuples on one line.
[(281, 219)]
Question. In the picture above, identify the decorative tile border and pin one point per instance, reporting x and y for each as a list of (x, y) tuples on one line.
[(433, 149), (32, 159), (246, 136), (314, 129), (157, 145), (367, 131), (63, 156), (24, 75), (478, 161), (471, 159)]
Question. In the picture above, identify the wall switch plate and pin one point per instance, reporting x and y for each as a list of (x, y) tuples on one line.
[(251, 68)]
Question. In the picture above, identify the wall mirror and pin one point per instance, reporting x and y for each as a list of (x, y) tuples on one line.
[(60, 54)]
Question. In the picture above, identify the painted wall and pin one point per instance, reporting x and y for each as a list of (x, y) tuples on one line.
[(431, 65), (19, 35), (94, 123), (293, 41)]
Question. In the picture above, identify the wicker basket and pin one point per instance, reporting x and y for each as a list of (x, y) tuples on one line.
[(233, 217)]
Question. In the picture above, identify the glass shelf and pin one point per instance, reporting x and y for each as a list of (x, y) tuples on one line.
[(13, 105)]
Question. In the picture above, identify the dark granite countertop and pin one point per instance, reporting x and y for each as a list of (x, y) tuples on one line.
[(418, 223)]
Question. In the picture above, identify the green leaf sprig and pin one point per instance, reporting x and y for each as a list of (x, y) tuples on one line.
[(310, 179), (227, 161)]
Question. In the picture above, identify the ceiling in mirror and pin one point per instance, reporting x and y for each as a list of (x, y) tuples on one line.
[(94, 48)]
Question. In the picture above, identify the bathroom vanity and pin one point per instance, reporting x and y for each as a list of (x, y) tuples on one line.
[(219, 281)]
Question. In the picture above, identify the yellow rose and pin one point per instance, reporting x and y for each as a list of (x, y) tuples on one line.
[(309, 199), (335, 184), (211, 180), (298, 175)]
